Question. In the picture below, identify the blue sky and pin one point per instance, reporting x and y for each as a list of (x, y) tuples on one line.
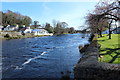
[(71, 12)]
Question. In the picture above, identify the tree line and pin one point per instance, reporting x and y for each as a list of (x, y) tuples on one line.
[(58, 28), (13, 18), (104, 14)]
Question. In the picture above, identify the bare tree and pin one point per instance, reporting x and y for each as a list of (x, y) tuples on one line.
[(104, 12)]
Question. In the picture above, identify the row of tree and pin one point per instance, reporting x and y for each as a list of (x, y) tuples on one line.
[(103, 16), (59, 28), (13, 18)]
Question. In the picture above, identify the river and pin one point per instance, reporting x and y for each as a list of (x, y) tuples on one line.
[(41, 57)]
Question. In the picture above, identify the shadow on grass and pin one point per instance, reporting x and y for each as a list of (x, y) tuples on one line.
[(110, 52), (103, 40)]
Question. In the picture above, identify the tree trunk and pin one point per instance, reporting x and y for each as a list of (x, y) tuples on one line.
[(109, 34), (116, 26), (110, 30), (100, 33)]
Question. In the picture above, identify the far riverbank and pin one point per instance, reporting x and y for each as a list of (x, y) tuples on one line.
[(18, 35)]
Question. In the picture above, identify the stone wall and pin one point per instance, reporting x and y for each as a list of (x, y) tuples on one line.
[(88, 67)]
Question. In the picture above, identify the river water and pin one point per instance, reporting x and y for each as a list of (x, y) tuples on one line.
[(41, 57)]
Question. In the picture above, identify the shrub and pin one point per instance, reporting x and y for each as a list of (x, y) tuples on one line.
[(7, 36)]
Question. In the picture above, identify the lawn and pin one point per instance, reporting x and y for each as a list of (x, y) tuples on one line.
[(110, 49)]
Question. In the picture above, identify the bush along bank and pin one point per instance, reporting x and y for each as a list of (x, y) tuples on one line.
[(88, 67)]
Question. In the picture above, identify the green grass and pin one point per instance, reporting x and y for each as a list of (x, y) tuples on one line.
[(110, 49)]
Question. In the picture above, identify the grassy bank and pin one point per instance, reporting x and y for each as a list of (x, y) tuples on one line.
[(110, 49), (21, 36)]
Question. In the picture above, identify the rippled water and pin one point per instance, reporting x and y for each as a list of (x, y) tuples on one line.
[(41, 57)]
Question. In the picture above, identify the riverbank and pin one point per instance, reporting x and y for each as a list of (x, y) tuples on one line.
[(89, 68), (18, 35), (110, 49)]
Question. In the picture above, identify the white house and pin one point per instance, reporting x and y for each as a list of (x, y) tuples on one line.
[(28, 30), (40, 32), (11, 28), (1, 28)]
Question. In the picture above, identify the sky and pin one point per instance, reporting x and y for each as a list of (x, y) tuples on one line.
[(72, 13)]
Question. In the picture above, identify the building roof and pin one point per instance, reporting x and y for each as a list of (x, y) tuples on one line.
[(40, 27), (37, 30)]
